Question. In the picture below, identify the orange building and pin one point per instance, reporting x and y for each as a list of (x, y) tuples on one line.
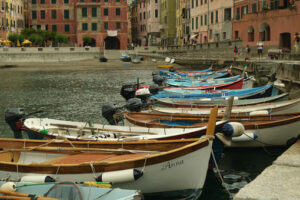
[(2, 20), (274, 22)]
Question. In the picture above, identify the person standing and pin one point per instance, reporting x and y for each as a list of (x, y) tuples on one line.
[(260, 45), (247, 53), (235, 52)]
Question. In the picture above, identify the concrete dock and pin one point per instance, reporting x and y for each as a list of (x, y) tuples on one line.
[(279, 181)]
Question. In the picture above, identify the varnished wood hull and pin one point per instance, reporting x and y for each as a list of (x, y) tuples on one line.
[(162, 172)]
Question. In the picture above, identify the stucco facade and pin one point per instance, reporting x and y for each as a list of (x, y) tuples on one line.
[(211, 20), (2, 20), (275, 23), (14, 14), (168, 22), (104, 21)]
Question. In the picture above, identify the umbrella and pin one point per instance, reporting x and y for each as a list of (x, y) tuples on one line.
[(6, 42), (26, 42), (1, 41)]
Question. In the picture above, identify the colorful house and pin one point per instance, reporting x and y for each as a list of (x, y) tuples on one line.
[(274, 22), (14, 14), (168, 22)]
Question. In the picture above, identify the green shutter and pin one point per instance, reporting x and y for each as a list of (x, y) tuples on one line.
[(84, 12), (94, 26), (94, 12)]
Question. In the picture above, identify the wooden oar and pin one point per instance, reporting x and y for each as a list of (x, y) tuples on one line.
[(210, 131), (76, 149), (102, 129), (17, 195), (227, 114)]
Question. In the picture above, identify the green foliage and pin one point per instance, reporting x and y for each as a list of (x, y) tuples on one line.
[(36, 39), (60, 38), (87, 40), (21, 38), (27, 32), (13, 38)]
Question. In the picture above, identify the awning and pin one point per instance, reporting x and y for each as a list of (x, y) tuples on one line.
[(194, 36), (112, 33)]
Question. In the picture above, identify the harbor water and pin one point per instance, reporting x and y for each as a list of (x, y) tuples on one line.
[(78, 95)]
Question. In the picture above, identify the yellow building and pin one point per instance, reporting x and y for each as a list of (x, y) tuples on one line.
[(168, 22), (179, 29), (14, 10)]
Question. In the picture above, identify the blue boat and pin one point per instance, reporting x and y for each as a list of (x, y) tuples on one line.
[(198, 76), (70, 190), (251, 93), (196, 83), (196, 71)]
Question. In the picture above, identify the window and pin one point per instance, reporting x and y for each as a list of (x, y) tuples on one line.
[(34, 14), (217, 16), (201, 20), (118, 1), (118, 11), (224, 35), (54, 28), (196, 3), (192, 3), (84, 26), (205, 20), (254, 8), (94, 26), (67, 28), (53, 14), (238, 16), (42, 1), (118, 25), (53, 1), (227, 15), (84, 12), (105, 25), (33, 1), (236, 35), (105, 11), (196, 22), (42, 14), (212, 17), (192, 23), (66, 14), (156, 13), (94, 12), (66, 1), (106, 1)]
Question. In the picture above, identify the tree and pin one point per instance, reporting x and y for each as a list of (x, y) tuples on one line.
[(13, 38), (60, 38), (21, 38), (87, 40), (26, 32), (36, 39)]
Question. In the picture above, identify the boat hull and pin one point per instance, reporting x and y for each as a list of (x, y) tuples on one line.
[(163, 177)]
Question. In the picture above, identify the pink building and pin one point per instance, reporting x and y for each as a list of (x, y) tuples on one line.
[(211, 20), (148, 22)]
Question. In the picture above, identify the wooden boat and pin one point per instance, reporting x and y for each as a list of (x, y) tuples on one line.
[(190, 73), (155, 170), (195, 71), (264, 108), (251, 93), (164, 66), (209, 103), (82, 190), (260, 130)]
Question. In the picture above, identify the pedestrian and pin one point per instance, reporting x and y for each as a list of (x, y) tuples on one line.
[(297, 42), (247, 53), (132, 46), (260, 46), (235, 52)]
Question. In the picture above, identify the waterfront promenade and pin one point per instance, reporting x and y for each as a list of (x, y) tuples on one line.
[(279, 181)]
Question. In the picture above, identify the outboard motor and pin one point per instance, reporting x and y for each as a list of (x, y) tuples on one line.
[(155, 73), (109, 112), (273, 78), (159, 80), (143, 94), (12, 116), (172, 69), (154, 89), (128, 90), (134, 105)]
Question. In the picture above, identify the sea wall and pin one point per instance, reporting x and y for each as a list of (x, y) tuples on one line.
[(46, 54)]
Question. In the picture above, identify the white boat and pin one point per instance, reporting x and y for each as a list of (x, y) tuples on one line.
[(172, 168), (264, 108), (71, 190)]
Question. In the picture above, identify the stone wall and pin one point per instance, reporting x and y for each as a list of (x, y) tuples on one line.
[(46, 54)]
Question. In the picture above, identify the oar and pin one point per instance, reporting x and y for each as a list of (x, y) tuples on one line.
[(101, 129), (227, 113), (22, 195), (210, 131), (76, 149)]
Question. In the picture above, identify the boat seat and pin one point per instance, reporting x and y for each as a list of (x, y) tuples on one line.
[(95, 157)]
